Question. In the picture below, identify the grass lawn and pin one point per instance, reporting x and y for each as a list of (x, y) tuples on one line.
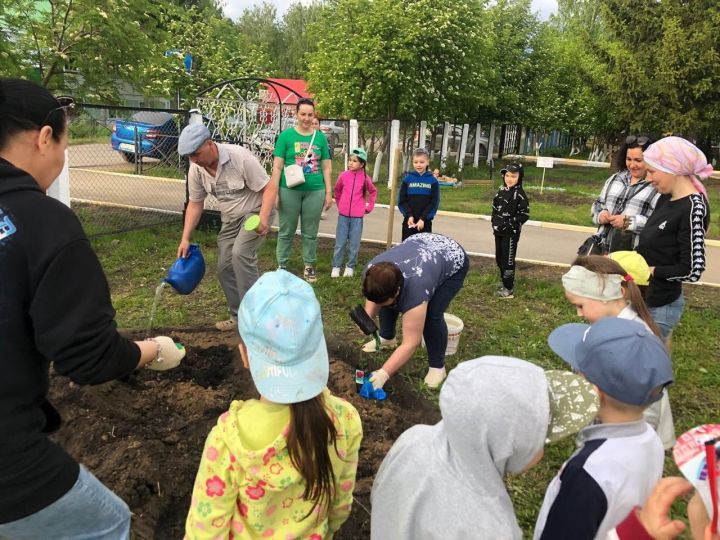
[(136, 261)]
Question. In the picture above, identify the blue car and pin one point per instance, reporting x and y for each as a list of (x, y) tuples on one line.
[(147, 134)]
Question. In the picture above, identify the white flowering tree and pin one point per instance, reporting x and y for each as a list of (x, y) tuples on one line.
[(390, 59)]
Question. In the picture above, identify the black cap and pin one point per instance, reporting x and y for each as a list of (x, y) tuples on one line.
[(512, 167)]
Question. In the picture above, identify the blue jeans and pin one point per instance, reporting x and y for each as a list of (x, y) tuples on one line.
[(667, 316), (347, 233), (89, 511), (435, 330)]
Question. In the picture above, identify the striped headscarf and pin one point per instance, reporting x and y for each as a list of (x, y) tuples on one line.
[(675, 155)]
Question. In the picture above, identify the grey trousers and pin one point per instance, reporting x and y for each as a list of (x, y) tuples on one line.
[(237, 260)]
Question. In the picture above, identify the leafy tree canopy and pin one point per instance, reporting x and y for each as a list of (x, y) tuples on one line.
[(388, 59), (81, 45)]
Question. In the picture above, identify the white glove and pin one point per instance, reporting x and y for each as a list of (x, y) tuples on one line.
[(169, 354), (371, 346), (379, 378)]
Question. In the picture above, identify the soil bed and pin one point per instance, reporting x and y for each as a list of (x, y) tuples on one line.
[(143, 437)]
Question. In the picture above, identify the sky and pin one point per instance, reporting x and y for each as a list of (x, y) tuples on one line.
[(233, 8)]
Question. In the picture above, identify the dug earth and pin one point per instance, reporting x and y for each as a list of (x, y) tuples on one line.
[(143, 437)]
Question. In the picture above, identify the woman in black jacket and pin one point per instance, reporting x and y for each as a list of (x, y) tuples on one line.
[(673, 241), (54, 307)]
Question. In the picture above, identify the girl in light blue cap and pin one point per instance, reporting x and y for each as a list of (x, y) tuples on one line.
[(283, 465)]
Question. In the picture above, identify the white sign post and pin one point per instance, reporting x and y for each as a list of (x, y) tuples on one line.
[(444, 148), (422, 136), (353, 136), (476, 151), (352, 139), (463, 147), (545, 163), (394, 144)]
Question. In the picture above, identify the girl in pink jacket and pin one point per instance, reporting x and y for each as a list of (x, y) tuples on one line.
[(355, 196)]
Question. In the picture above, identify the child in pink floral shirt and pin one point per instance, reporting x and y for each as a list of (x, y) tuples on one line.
[(282, 466)]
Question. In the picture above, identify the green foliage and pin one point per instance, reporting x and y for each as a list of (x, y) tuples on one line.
[(513, 61), (8, 58), (389, 59), (655, 65), (595, 69), (258, 24), (563, 97), (220, 51), (292, 60), (286, 43), (451, 169), (81, 46)]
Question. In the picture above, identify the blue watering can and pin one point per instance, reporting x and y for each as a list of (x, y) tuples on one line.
[(185, 273)]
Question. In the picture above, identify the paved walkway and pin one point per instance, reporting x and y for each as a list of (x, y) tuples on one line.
[(544, 243)]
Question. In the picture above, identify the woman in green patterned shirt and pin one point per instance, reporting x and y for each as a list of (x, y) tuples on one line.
[(308, 148)]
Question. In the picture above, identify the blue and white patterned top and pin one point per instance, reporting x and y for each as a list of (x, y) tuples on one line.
[(426, 260)]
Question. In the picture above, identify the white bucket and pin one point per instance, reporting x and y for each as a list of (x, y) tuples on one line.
[(455, 327)]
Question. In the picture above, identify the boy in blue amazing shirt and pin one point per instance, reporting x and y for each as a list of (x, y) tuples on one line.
[(419, 196)]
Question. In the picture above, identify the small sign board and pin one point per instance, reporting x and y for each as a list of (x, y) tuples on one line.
[(545, 162)]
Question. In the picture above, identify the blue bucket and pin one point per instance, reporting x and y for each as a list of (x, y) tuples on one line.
[(185, 273)]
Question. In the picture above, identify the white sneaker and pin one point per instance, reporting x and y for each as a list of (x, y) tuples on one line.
[(335, 272), (370, 346), (349, 272), (435, 376)]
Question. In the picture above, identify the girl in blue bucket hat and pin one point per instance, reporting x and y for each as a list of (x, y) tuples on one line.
[(283, 465)]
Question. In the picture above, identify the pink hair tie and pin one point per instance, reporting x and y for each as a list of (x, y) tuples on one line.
[(628, 277)]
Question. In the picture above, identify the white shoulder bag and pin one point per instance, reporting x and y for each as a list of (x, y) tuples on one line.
[(294, 175)]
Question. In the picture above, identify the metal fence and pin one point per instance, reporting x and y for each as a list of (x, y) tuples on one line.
[(125, 171)]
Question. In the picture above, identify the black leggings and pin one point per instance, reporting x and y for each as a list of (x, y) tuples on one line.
[(435, 331), (505, 252)]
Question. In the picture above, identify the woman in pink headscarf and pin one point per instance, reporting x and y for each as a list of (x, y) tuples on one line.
[(673, 241)]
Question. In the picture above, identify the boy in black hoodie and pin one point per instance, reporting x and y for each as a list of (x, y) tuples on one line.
[(510, 210)]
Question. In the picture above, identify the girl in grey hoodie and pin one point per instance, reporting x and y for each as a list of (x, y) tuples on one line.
[(446, 481)]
